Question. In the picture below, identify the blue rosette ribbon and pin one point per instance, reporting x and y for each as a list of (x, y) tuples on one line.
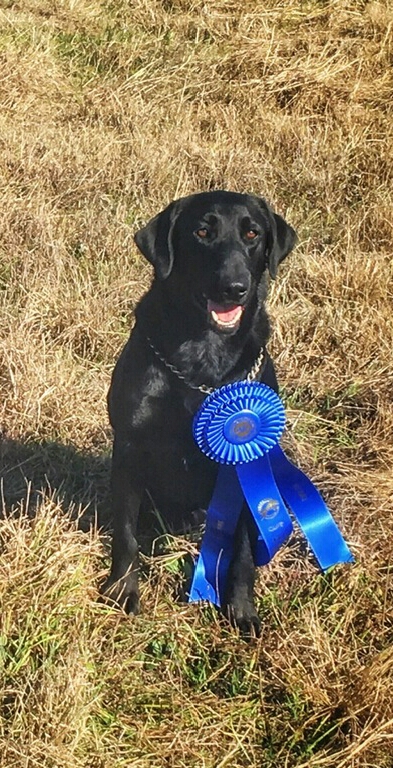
[(239, 426)]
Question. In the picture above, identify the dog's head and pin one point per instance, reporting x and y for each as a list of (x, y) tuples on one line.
[(215, 247)]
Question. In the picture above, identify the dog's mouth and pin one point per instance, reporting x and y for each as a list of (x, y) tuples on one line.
[(225, 318)]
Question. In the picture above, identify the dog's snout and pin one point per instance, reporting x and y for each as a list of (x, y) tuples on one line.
[(235, 291)]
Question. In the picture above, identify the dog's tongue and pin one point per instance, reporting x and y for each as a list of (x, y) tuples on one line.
[(225, 314)]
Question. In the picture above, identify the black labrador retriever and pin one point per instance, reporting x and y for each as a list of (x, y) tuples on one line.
[(202, 324)]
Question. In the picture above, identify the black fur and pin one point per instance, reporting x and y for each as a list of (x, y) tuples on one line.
[(209, 247)]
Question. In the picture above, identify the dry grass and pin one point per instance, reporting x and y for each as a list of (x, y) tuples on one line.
[(108, 111)]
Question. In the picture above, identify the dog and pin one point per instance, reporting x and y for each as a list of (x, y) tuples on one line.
[(202, 324)]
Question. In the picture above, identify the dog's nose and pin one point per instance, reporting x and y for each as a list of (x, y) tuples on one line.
[(235, 292)]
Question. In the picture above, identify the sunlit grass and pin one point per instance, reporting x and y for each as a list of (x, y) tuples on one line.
[(109, 110)]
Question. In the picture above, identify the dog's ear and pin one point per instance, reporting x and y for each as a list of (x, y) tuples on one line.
[(281, 239), (155, 241)]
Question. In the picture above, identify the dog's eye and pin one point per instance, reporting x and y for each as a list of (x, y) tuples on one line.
[(202, 232), (251, 234)]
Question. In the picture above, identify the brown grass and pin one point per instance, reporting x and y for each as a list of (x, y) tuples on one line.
[(108, 111)]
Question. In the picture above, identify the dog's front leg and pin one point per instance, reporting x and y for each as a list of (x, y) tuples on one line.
[(127, 490), (239, 599)]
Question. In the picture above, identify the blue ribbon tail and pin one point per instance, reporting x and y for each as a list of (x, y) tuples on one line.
[(310, 511), (270, 514), (216, 552)]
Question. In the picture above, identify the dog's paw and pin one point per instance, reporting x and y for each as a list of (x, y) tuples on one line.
[(244, 617), (124, 593)]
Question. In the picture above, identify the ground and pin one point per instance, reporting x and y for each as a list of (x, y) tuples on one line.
[(109, 110)]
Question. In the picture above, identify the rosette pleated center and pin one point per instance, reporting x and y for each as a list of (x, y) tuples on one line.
[(239, 422)]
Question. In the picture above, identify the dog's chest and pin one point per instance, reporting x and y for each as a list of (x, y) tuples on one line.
[(177, 474)]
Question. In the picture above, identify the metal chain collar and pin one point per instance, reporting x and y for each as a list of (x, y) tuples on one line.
[(251, 376)]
